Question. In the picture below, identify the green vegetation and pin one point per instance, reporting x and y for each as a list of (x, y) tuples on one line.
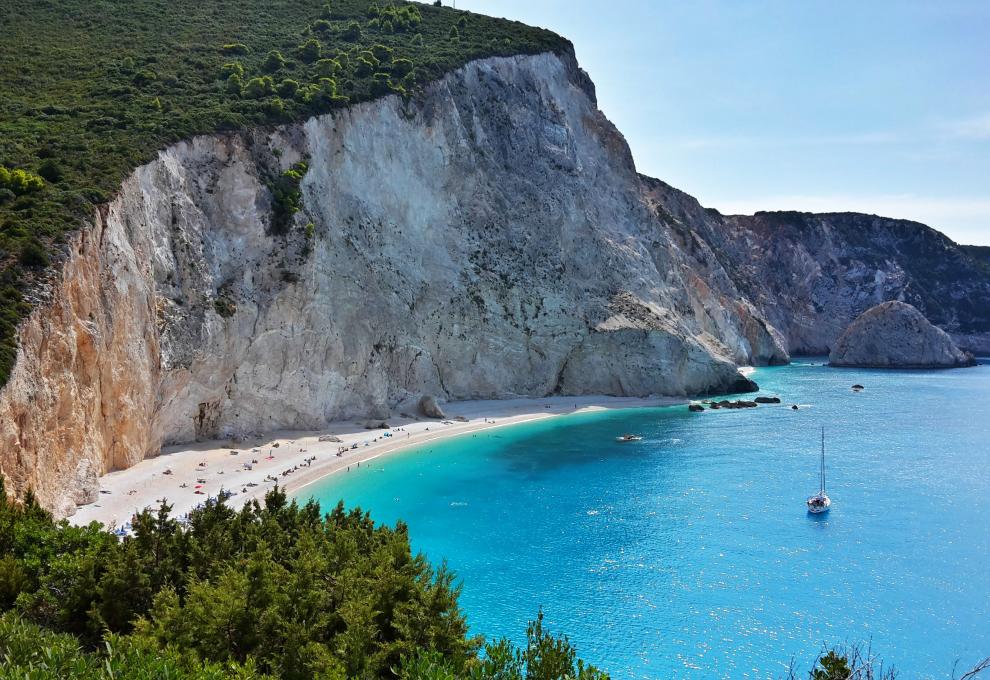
[(275, 589), (90, 89)]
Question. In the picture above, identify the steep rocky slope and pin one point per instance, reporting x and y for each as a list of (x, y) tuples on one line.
[(810, 275), (896, 335), (487, 239)]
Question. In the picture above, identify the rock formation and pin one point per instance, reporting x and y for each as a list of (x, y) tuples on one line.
[(489, 238), (896, 335), (810, 275), (429, 407)]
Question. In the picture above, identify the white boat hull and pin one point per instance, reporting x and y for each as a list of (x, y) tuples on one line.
[(819, 504)]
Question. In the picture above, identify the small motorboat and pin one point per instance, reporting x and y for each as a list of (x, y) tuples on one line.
[(628, 438), (820, 502)]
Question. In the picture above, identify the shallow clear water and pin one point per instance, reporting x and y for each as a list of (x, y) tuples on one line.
[(690, 554)]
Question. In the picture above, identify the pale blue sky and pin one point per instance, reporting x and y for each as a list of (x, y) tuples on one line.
[(876, 106)]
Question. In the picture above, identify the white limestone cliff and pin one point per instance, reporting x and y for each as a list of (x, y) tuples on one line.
[(490, 238)]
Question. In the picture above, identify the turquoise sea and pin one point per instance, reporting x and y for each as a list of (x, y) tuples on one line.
[(690, 554)]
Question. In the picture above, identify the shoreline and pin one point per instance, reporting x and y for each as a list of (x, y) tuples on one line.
[(187, 474)]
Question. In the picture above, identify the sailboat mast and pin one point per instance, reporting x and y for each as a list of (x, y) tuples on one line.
[(823, 459)]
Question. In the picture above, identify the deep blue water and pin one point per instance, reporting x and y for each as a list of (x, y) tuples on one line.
[(690, 554)]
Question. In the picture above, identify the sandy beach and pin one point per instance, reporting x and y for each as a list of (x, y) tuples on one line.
[(188, 474)]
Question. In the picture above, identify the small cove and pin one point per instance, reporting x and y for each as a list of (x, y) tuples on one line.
[(689, 554)]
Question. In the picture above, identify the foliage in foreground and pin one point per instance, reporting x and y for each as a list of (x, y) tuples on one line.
[(91, 89), (275, 590)]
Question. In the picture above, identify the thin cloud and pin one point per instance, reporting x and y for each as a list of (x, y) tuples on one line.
[(977, 128), (753, 142)]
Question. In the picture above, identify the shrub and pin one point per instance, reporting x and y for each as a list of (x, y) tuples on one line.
[(273, 62), (145, 76), (352, 32), (33, 254), (232, 67), (310, 50), (274, 107), (224, 307), (286, 195), (235, 48), (235, 84), (50, 170), (364, 67), (258, 88), (402, 67), (19, 181), (381, 52), (380, 84), (321, 26), (288, 88), (454, 34), (327, 67)]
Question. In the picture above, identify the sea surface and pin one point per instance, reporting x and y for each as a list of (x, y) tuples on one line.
[(690, 554)]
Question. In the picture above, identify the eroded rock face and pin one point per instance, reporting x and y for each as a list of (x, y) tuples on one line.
[(810, 275), (490, 239), (896, 335)]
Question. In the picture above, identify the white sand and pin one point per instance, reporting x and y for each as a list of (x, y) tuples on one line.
[(125, 492)]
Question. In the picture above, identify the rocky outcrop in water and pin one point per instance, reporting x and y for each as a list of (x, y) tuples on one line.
[(896, 335)]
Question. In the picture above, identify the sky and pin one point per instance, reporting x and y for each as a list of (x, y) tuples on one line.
[(880, 106)]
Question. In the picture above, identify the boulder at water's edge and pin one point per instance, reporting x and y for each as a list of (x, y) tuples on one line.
[(896, 335)]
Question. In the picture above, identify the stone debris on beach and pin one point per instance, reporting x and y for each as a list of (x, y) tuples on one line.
[(429, 407)]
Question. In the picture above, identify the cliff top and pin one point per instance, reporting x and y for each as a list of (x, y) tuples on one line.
[(92, 89)]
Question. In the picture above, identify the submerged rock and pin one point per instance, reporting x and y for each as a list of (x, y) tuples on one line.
[(896, 335)]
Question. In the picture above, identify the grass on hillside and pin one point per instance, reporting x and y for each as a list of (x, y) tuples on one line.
[(91, 89)]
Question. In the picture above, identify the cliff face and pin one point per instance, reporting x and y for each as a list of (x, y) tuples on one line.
[(810, 275), (489, 239), (896, 335)]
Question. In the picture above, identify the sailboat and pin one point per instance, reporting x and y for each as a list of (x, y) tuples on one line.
[(820, 502)]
